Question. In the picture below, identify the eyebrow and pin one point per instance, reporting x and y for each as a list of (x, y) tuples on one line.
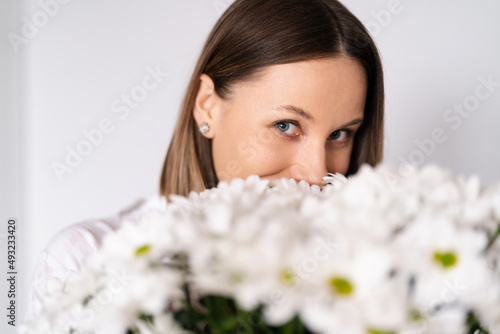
[(301, 112), (296, 110), (354, 121)]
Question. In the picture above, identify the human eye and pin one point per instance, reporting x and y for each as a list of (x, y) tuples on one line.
[(287, 128), (340, 135)]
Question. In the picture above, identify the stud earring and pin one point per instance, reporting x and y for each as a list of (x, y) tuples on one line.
[(204, 128)]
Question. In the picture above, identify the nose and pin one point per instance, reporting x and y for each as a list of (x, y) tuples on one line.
[(310, 165)]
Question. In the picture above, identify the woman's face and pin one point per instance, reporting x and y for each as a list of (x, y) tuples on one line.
[(295, 120)]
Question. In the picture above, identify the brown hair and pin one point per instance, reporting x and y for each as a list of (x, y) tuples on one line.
[(254, 34)]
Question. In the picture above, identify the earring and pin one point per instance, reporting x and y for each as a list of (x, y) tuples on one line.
[(204, 128)]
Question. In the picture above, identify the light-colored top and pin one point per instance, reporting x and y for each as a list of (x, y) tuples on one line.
[(67, 250)]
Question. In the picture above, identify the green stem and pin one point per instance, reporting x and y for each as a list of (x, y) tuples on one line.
[(493, 239)]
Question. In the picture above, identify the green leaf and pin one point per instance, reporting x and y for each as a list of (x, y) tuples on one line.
[(252, 322), (188, 319), (229, 324), (294, 326), (493, 239), (474, 324), (87, 300), (221, 314), (147, 318)]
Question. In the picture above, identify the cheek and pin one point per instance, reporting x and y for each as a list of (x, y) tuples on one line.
[(338, 161), (246, 152), (226, 161), (229, 131)]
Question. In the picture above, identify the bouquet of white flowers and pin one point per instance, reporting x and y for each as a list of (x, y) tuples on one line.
[(373, 254)]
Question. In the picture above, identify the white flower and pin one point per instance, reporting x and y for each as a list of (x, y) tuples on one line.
[(350, 289), (448, 321), (444, 261), (165, 324), (375, 252)]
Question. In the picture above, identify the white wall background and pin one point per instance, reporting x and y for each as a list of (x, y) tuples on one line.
[(64, 78)]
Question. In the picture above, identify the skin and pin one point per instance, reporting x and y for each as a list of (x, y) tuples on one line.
[(252, 134)]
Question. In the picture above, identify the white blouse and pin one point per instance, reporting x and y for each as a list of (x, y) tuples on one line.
[(67, 250)]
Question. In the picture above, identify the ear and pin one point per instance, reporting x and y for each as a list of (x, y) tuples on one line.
[(205, 104)]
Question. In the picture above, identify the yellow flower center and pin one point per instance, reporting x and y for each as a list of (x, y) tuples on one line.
[(446, 259), (341, 286), (287, 276), (143, 250)]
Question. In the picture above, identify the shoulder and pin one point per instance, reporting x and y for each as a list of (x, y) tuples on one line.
[(76, 242), (70, 247)]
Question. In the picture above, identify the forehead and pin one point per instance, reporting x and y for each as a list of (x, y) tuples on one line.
[(319, 86)]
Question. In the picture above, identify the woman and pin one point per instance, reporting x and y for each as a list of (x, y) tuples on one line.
[(283, 88)]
